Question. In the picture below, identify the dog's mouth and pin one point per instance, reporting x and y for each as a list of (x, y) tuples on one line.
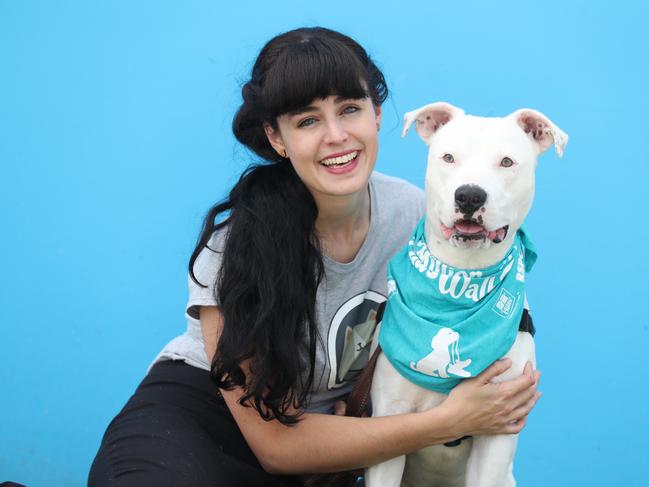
[(472, 230)]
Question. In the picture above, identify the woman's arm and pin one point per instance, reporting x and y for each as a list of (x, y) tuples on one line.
[(328, 443)]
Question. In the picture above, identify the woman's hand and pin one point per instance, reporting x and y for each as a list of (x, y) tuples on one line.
[(478, 407)]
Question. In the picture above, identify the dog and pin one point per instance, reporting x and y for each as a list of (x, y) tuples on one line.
[(468, 258)]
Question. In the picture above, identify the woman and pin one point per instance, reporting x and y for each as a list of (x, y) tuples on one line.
[(284, 283)]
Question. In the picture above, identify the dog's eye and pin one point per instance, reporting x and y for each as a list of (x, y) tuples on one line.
[(506, 162), (448, 158)]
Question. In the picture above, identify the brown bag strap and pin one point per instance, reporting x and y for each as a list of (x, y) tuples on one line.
[(359, 398)]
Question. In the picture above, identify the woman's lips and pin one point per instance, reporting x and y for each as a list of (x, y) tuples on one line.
[(341, 164)]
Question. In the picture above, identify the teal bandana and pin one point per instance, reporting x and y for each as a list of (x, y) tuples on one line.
[(442, 324)]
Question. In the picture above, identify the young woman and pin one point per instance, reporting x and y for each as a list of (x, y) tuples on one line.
[(285, 282)]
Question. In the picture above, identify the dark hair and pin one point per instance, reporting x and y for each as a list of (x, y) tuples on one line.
[(272, 263)]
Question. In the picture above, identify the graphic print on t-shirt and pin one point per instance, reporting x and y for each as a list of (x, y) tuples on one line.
[(350, 337)]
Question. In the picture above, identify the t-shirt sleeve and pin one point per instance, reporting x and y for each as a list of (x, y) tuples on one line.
[(206, 270)]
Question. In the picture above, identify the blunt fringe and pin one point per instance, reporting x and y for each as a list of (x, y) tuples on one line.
[(272, 262)]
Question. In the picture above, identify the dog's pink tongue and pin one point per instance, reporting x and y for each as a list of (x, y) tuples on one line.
[(469, 227)]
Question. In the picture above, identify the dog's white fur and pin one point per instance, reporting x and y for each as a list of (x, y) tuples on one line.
[(478, 145)]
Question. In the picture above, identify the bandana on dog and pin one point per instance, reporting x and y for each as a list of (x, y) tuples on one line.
[(443, 324)]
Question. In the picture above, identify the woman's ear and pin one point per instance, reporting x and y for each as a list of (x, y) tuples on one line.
[(275, 139), (378, 112)]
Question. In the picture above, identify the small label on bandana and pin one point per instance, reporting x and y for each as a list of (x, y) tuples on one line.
[(443, 324)]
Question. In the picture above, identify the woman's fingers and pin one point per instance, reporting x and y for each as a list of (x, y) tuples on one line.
[(515, 386), (515, 427), (340, 407), (527, 370), (528, 393), (519, 417), (524, 409), (494, 370)]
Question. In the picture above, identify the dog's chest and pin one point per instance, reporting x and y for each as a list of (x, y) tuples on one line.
[(437, 466)]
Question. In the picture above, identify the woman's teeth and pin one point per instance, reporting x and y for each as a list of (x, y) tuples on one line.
[(337, 161)]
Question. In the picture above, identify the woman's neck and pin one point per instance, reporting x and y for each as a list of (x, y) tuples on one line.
[(342, 224)]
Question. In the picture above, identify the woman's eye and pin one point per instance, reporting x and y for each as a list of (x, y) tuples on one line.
[(351, 109), (448, 158), (506, 162), (306, 122)]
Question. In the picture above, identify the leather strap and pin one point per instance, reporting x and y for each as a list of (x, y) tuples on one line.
[(359, 398), (526, 323)]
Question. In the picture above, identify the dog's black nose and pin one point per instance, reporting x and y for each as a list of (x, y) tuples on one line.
[(469, 198)]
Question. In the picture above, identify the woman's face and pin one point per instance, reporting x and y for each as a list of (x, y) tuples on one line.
[(332, 144)]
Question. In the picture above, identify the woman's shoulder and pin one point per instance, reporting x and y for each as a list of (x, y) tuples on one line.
[(398, 195), (212, 251), (206, 268), (391, 183)]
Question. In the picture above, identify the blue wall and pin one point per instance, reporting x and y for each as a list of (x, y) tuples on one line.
[(115, 139)]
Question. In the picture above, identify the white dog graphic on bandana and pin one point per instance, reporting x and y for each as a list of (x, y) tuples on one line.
[(445, 357)]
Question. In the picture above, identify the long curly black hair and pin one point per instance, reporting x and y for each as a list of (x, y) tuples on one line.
[(272, 262)]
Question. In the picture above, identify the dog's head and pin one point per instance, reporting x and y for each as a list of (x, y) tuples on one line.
[(480, 174)]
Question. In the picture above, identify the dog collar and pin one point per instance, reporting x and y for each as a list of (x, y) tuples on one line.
[(442, 323)]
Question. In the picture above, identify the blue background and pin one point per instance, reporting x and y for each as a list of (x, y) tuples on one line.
[(115, 139)]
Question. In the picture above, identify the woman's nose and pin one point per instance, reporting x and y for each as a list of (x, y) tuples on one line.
[(335, 132)]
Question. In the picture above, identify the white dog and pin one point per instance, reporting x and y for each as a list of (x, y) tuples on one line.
[(461, 273)]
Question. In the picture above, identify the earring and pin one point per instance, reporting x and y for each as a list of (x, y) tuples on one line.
[(378, 127), (283, 153)]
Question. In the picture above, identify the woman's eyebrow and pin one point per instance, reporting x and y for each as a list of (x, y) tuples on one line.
[(301, 110), (312, 108)]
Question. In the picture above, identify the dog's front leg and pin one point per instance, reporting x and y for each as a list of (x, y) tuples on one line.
[(491, 461), (391, 394), (492, 456), (386, 474)]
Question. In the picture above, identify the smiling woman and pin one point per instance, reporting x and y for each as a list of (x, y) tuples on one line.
[(285, 283)]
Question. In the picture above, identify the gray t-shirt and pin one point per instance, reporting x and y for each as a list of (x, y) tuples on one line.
[(347, 298)]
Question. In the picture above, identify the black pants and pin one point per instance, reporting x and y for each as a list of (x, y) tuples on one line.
[(177, 431)]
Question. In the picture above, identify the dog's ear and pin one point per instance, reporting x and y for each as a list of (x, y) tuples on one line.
[(429, 119), (541, 129)]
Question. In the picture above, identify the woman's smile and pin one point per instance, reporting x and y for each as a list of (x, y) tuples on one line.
[(343, 163)]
